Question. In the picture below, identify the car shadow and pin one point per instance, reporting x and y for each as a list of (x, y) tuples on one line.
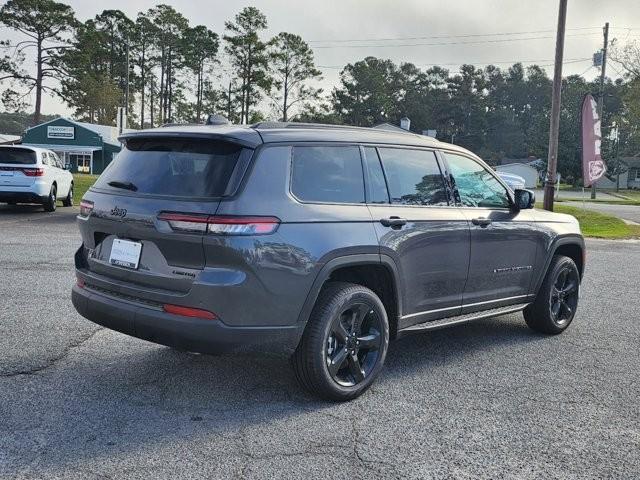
[(6, 208), (35, 213), (107, 399)]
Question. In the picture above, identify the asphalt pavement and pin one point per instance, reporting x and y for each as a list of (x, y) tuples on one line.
[(487, 400)]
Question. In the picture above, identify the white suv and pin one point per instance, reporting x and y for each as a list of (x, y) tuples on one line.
[(34, 175)]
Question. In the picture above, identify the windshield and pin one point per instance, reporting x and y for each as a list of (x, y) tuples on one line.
[(183, 167)]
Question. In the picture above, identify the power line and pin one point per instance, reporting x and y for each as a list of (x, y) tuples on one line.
[(501, 40), (511, 62), (468, 35)]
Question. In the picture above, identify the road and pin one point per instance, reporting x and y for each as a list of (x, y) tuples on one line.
[(626, 212), (487, 400), (578, 195)]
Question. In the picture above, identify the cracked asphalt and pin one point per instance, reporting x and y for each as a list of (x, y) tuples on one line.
[(486, 400)]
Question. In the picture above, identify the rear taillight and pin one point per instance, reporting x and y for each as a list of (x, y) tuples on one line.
[(223, 225), (185, 222), (220, 224), (86, 207), (189, 312), (33, 172)]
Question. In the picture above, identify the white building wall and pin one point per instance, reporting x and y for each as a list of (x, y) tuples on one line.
[(527, 172)]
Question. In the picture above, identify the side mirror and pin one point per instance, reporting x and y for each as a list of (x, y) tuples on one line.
[(67, 166), (524, 199)]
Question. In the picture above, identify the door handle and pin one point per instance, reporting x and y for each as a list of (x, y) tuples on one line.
[(393, 222), (481, 221)]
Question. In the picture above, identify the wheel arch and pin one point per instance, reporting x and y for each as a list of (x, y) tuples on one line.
[(377, 272), (571, 246)]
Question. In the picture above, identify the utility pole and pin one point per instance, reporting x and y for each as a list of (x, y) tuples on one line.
[(126, 91), (601, 97), (552, 158)]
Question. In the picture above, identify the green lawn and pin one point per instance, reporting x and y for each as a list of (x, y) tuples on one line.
[(599, 225), (630, 195), (81, 183)]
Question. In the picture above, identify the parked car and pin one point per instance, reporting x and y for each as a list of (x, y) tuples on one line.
[(315, 241), (34, 175), (514, 182)]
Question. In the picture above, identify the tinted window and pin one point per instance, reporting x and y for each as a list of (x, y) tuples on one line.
[(476, 186), (376, 184), (17, 156), (413, 177), (176, 167), (327, 174)]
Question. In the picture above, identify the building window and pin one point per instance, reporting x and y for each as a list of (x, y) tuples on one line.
[(83, 161), (637, 176)]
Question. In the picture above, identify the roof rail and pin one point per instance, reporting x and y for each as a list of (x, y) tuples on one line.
[(177, 124), (328, 126)]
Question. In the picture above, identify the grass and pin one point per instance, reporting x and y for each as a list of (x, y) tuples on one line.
[(599, 225), (633, 195), (81, 183)]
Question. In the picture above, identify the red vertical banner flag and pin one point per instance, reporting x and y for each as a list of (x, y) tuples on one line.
[(593, 167)]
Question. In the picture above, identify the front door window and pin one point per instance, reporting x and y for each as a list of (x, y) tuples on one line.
[(476, 186)]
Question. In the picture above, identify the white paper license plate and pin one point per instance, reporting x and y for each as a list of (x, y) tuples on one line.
[(125, 253)]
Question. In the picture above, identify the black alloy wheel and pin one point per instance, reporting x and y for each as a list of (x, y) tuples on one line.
[(345, 342), (353, 344), (563, 300), (556, 303)]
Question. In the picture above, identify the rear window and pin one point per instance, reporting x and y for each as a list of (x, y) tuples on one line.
[(327, 174), (173, 166), (17, 156)]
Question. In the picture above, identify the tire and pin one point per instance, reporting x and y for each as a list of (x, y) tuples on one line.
[(555, 305), (349, 325), (68, 200), (50, 203)]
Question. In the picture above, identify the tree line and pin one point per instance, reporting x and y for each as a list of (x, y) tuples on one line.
[(497, 113), (166, 70), (158, 65)]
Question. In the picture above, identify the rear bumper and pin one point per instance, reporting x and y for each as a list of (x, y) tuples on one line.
[(21, 197), (185, 333)]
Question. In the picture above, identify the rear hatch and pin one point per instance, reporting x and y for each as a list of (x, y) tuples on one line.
[(144, 219), (18, 167)]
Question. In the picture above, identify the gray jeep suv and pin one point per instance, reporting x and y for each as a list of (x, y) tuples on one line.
[(315, 241)]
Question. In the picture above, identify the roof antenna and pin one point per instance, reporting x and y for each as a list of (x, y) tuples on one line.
[(215, 119)]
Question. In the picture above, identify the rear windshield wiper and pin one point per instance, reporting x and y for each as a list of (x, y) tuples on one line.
[(124, 185)]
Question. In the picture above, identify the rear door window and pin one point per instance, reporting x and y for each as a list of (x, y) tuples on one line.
[(17, 156), (327, 174), (181, 167), (413, 176)]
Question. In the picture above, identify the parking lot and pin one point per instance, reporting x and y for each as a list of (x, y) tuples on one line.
[(487, 400)]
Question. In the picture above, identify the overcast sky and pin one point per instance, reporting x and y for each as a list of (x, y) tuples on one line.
[(448, 33)]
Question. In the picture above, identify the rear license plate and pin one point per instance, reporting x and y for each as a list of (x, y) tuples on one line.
[(125, 253)]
